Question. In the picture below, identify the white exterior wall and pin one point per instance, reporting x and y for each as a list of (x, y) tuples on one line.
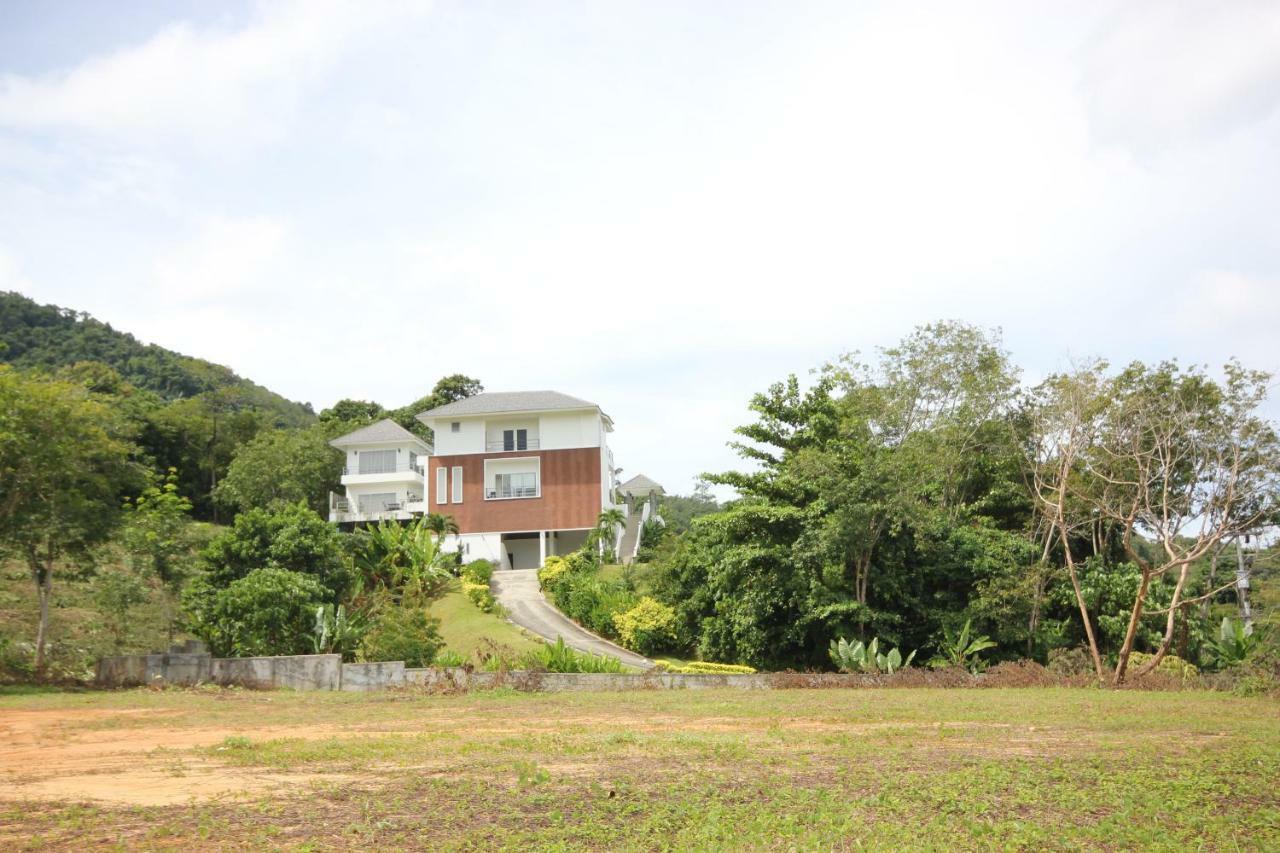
[(469, 438), (606, 469), (478, 546), (494, 428), (568, 430)]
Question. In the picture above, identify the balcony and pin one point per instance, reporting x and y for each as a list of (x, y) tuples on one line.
[(398, 468), (510, 446), (501, 493)]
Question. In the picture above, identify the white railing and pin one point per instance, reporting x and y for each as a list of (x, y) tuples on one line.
[(398, 468), (504, 446)]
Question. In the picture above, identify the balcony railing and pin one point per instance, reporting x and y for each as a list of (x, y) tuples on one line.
[(398, 468), (511, 492), (504, 446)]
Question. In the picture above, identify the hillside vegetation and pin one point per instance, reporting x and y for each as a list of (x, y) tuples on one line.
[(51, 337)]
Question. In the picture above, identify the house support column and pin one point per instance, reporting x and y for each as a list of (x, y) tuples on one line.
[(542, 548)]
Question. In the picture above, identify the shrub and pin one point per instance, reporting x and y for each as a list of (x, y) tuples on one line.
[(267, 612), (856, 657), (289, 536), (700, 667), (553, 569), (648, 627), (560, 658), (480, 595), (1169, 665), (448, 657), (337, 631), (403, 633), (1071, 662), (478, 571)]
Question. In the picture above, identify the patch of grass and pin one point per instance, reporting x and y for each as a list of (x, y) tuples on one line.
[(465, 628), (922, 769)]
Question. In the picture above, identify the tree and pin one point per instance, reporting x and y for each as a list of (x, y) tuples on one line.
[(351, 414), (288, 536), (282, 466), (115, 594), (449, 389), (64, 461), (269, 611), (157, 535), (1185, 462), (1171, 460)]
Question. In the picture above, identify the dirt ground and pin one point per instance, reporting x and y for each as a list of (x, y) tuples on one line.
[(58, 754)]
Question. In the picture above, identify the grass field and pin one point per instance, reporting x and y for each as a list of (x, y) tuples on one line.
[(465, 628), (906, 768)]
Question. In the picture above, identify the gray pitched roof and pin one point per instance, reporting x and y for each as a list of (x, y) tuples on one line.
[(495, 402), (640, 485), (383, 430)]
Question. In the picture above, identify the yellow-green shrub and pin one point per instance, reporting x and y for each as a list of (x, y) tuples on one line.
[(1171, 664), (700, 667), (479, 595), (552, 570), (648, 627)]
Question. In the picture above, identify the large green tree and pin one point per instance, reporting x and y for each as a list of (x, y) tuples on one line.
[(64, 462), (282, 466)]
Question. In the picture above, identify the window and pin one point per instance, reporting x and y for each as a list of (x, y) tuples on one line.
[(457, 484), (377, 462), (456, 426), (515, 439), (377, 503), (522, 485), (442, 485), (413, 460)]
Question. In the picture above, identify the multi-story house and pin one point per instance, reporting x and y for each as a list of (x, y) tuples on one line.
[(525, 475), (383, 474)]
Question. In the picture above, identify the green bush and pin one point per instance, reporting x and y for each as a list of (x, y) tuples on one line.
[(480, 595), (402, 633), (266, 612), (648, 627), (448, 657), (558, 657), (478, 571), (288, 536)]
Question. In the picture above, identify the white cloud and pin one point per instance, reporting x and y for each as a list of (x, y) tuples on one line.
[(1161, 72), (1236, 311), (210, 87), (11, 277), (228, 258)]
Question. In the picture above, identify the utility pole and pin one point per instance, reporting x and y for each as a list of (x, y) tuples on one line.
[(1244, 562)]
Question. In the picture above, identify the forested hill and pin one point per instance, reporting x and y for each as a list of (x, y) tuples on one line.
[(47, 336)]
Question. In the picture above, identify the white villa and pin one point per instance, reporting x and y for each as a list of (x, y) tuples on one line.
[(523, 474)]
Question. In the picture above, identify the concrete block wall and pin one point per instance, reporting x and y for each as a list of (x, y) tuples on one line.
[(360, 677), (296, 672), (328, 672)]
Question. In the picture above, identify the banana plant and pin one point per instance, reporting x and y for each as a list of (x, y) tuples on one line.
[(1235, 642), (962, 649), (336, 631)]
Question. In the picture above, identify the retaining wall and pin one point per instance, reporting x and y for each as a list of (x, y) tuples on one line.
[(328, 672)]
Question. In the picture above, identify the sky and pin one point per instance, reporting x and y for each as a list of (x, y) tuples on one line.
[(659, 207)]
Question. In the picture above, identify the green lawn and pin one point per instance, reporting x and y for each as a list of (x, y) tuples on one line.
[(465, 628), (914, 769)]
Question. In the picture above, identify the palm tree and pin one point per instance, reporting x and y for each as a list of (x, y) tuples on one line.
[(607, 522), (440, 524)]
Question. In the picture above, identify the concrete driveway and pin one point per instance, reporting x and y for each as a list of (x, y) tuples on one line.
[(517, 590)]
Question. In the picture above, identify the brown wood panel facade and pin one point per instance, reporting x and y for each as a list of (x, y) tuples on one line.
[(569, 500)]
